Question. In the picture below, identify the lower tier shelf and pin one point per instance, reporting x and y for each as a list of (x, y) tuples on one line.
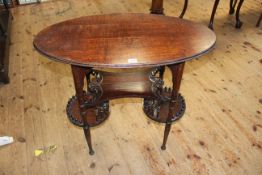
[(94, 115), (155, 109), (158, 111)]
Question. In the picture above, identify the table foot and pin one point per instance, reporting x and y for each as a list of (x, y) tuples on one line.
[(210, 25), (211, 22), (94, 115), (239, 24), (92, 152), (231, 11), (88, 140), (166, 133), (163, 147)]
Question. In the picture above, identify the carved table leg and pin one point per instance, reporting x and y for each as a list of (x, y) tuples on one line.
[(177, 72), (79, 75), (238, 22), (211, 22), (184, 9), (157, 7)]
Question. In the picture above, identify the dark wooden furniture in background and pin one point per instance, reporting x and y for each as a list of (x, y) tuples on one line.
[(129, 41), (232, 5), (5, 26), (157, 8), (259, 20)]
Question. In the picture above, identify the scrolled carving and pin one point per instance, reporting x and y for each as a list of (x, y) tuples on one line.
[(157, 85), (159, 111), (152, 107), (102, 110), (94, 115), (94, 88)]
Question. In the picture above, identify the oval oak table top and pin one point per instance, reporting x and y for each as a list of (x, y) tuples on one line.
[(124, 41)]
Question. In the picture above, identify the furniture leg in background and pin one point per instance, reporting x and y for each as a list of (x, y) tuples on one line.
[(184, 9), (232, 6), (211, 22), (259, 20), (157, 7), (238, 22)]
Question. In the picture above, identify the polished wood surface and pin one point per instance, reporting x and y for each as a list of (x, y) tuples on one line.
[(220, 133), (124, 40)]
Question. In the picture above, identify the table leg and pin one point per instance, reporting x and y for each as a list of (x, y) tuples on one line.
[(184, 9), (157, 7), (238, 22), (259, 20), (232, 6), (177, 72), (211, 22), (79, 74)]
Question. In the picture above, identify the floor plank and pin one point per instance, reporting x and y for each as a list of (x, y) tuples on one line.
[(220, 133)]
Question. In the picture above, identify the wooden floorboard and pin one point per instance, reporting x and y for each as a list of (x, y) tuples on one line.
[(220, 133)]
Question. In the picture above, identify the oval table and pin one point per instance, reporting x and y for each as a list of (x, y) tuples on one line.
[(142, 41)]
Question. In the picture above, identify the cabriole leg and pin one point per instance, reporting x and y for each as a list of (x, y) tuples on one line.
[(177, 72), (211, 22), (79, 74), (232, 6), (184, 9), (238, 22)]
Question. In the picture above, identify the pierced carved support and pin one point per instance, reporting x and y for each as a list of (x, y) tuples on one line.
[(157, 85), (158, 111), (157, 107), (90, 107), (94, 115), (94, 88)]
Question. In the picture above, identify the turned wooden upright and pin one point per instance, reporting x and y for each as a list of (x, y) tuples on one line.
[(142, 41)]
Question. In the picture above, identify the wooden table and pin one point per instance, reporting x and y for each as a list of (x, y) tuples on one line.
[(142, 41)]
